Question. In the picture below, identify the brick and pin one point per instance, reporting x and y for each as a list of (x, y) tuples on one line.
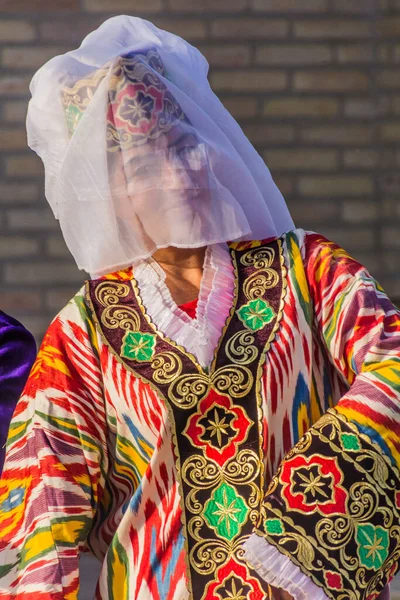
[(133, 6), (23, 166), (20, 300), (246, 80), (301, 159), (16, 31), (388, 78), (17, 246), (264, 134), (396, 105), (389, 183), (306, 212), (18, 192), (390, 262), (390, 236), (391, 208), (301, 107), (57, 299), (366, 108), (283, 6), (328, 29), (15, 112), (190, 29), (241, 107), (388, 27), (14, 85), (245, 28), (335, 185), (12, 139), (285, 185), (56, 247), (346, 135), (232, 55), (330, 81), (354, 240), (294, 54), (28, 57), (360, 159), (390, 132), (31, 220), (73, 33), (355, 53), (20, 6), (42, 273), (209, 6), (360, 211), (362, 7)]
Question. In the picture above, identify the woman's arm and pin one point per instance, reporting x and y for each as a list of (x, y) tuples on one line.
[(333, 507), (53, 472), (17, 353)]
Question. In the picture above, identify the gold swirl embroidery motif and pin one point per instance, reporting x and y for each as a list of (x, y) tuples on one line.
[(116, 315), (236, 381), (187, 390), (167, 366), (241, 348), (256, 285), (259, 258)]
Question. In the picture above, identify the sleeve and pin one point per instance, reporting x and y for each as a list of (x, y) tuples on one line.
[(332, 510), (55, 460), (17, 354)]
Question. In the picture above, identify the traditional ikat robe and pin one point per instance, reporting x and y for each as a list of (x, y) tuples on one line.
[(123, 444)]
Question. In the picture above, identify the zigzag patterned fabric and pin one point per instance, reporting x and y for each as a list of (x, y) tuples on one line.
[(124, 446)]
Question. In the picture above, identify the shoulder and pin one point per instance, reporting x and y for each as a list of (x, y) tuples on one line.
[(12, 331)]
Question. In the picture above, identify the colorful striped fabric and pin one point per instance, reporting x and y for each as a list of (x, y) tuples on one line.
[(90, 462)]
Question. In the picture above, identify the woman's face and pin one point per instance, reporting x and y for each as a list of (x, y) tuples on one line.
[(162, 180)]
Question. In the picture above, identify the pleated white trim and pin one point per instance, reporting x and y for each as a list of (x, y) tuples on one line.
[(201, 335), (279, 571)]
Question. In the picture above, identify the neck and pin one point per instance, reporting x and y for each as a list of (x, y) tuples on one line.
[(180, 258), (183, 268)]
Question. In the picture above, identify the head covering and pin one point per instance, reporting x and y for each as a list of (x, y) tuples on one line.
[(140, 154)]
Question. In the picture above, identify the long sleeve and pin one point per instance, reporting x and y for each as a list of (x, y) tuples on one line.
[(55, 459), (333, 507), (17, 354)]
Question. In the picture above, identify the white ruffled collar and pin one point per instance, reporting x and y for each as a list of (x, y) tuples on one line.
[(201, 335)]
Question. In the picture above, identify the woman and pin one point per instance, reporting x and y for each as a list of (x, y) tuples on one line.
[(169, 412), (17, 353)]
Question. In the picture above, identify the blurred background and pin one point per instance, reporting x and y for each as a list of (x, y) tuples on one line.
[(314, 84)]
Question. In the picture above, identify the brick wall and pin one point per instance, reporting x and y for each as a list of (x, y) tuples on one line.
[(314, 83)]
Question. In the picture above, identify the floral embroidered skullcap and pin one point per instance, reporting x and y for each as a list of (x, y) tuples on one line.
[(140, 107)]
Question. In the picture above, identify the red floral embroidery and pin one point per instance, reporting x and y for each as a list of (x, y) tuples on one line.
[(313, 484), (334, 581), (233, 581), (218, 427), (137, 108)]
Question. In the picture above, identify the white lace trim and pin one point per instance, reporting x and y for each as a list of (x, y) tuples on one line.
[(198, 336), (279, 571)]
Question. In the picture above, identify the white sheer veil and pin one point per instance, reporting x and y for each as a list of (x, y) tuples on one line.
[(140, 154)]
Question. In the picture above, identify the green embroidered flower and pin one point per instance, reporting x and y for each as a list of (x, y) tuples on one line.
[(256, 314), (274, 526), (138, 346), (350, 441), (226, 512), (73, 116), (373, 545)]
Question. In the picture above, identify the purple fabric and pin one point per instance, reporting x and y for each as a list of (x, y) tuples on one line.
[(17, 353)]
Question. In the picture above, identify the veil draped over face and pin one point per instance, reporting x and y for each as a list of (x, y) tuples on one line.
[(140, 154)]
